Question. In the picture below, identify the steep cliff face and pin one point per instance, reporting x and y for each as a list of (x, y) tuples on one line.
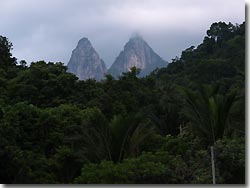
[(136, 53), (85, 62)]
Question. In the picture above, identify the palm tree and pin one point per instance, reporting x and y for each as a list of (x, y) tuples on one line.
[(127, 134), (121, 137), (208, 111)]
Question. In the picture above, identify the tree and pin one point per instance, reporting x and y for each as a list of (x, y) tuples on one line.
[(127, 134), (208, 112), (6, 59), (221, 32)]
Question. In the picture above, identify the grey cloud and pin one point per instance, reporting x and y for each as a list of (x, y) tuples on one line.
[(50, 30)]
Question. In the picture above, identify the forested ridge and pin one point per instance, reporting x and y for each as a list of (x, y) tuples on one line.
[(55, 128)]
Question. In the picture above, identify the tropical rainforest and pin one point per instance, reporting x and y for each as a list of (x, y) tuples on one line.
[(158, 129)]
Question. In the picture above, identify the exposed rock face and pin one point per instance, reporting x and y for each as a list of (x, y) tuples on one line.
[(136, 53), (85, 62)]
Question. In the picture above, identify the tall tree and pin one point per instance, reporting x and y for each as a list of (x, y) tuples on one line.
[(6, 59), (208, 112)]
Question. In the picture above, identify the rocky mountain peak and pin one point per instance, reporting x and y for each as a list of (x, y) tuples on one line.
[(136, 53), (136, 42), (85, 62), (84, 42)]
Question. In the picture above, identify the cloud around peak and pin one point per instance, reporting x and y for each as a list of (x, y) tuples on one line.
[(49, 30)]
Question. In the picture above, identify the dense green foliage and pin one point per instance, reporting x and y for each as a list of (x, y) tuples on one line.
[(55, 128)]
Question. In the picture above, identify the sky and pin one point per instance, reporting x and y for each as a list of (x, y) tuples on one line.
[(50, 29)]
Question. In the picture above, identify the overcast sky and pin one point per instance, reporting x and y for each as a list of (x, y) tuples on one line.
[(50, 29)]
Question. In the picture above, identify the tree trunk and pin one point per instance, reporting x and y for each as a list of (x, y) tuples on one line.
[(212, 161)]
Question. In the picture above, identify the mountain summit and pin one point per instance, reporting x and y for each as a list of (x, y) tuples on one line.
[(85, 62), (136, 53)]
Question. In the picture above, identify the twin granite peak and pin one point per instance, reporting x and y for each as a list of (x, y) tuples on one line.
[(85, 62)]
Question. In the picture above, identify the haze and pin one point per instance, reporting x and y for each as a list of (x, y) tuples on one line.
[(49, 30)]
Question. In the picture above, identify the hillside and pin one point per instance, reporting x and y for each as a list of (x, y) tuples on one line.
[(55, 128)]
